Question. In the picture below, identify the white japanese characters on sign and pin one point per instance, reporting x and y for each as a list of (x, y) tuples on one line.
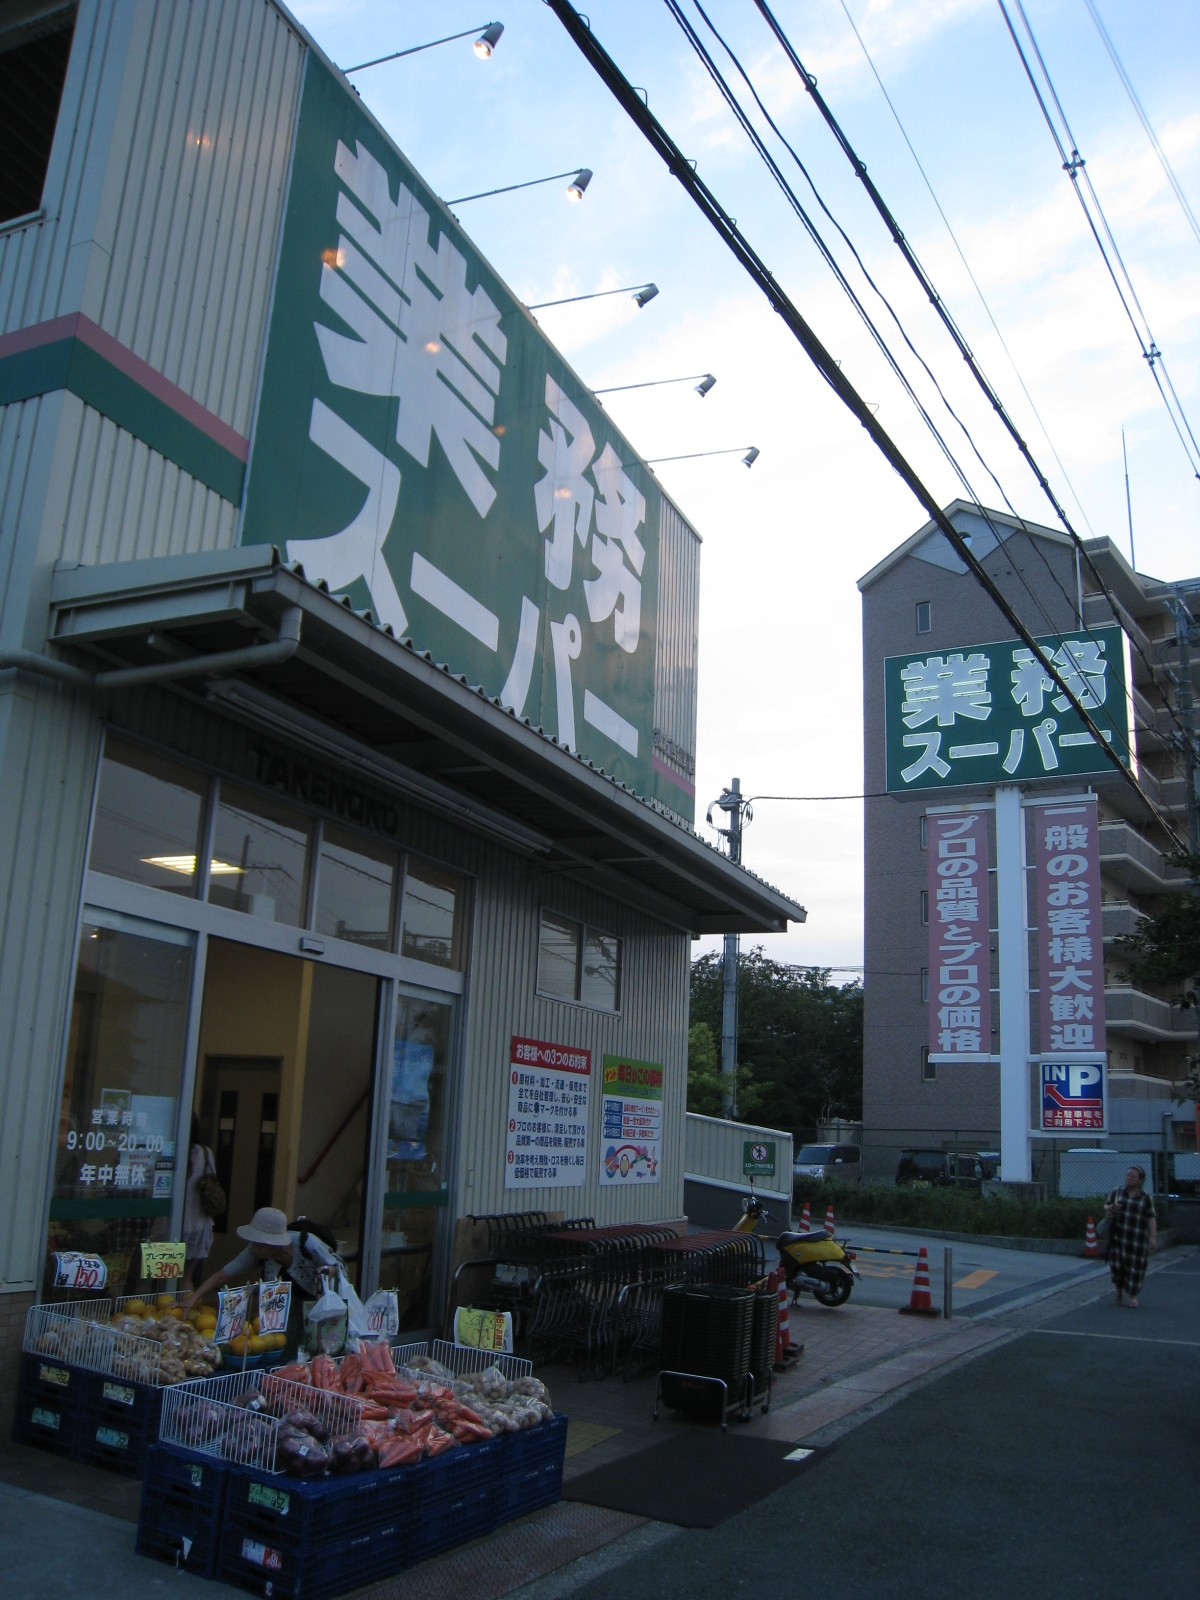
[(1070, 947), (960, 1026)]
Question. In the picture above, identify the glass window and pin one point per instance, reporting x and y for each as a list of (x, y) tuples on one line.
[(923, 830), (415, 1186), (33, 68), (558, 957), (355, 884), (928, 1068), (924, 616), (432, 915), (578, 963), (259, 853), (924, 905), (600, 981), (924, 983), (114, 1167), (148, 815)]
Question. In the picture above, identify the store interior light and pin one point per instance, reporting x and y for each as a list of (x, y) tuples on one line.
[(187, 866)]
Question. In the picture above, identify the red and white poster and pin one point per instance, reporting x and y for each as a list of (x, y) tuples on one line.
[(548, 1088), (960, 1001), (1069, 940)]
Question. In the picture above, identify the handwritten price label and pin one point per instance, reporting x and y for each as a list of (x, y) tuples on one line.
[(163, 1260), (483, 1330), (73, 1270), (233, 1310), (274, 1304)]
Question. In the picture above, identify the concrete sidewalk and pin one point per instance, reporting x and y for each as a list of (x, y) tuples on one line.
[(68, 1528)]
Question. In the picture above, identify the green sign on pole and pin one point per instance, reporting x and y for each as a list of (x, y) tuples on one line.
[(758, 1159), (421, 449), (992, 714)]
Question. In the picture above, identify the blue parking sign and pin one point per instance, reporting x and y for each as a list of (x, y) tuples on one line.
[(1073, 1095)]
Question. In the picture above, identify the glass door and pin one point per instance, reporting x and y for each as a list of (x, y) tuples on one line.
[(415, 1191)]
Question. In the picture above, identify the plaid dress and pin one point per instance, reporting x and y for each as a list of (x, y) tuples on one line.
[(1129, 1238)]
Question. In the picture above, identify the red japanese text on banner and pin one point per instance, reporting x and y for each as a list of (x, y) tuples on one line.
[(1069, 940), (960, 1002)]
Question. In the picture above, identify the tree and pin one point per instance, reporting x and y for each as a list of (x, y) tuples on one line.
[(799, 1040), (1165, 954)]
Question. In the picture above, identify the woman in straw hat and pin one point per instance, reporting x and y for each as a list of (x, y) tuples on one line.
[(273, 1250)]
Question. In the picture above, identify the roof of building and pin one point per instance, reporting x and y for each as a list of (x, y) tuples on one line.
[(984, 527), (354, 692)]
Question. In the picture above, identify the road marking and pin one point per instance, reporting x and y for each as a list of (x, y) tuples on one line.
[(1125, 1338), (870, 1269), (975, 1280)]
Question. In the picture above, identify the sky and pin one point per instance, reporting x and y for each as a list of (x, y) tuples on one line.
[(784, 542)]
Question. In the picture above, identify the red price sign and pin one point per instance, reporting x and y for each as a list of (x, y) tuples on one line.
[(73, 1270)]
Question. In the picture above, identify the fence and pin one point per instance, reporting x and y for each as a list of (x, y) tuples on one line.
[(883, 1147)]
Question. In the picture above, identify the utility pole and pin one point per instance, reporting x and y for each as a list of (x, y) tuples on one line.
[(736, 809)]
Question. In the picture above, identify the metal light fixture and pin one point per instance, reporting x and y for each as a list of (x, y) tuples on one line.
[(483, 46), (748, 459), (645, 293), (580, 178), (706, 383)]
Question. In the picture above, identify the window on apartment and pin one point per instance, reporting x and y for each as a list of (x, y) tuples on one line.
[(924, 830), (928, 1068), (925, 906), (578, 963), (924, 616), (924, 983), (35, 42)]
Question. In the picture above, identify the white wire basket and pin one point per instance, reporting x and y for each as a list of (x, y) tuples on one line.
[(464, 1362), (205, 1415), (67, 1331)]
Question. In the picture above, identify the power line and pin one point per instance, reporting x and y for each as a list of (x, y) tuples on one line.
[(580, 32)]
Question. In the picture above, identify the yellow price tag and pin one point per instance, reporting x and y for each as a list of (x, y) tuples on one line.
[(161, 1261), (483, 1330)]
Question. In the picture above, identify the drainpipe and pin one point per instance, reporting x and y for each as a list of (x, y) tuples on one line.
[(251, 655)]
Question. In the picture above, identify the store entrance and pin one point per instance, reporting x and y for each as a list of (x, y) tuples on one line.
[(284, 1089)]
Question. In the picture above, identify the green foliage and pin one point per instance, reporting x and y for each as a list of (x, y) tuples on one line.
[(706, 1084), (799, 1042), (1165, 951), (948, 1210)]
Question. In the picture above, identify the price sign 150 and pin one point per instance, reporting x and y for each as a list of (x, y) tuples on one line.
[(73, 1270)]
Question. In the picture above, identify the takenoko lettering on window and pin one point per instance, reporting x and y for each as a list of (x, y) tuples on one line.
[(960, 1026), (993, 714), (422, 450)]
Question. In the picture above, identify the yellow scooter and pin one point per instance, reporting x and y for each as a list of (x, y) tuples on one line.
[(811, 1261)]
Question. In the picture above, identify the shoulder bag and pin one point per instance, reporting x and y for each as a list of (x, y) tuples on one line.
[(209, 1191)]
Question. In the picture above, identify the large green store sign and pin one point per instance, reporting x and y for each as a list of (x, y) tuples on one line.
[(424, 451), (992, 713)]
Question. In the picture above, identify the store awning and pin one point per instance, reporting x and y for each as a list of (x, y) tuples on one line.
[(353, 691)]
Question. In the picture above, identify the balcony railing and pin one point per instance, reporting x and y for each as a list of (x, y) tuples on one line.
[(1144, 1016)]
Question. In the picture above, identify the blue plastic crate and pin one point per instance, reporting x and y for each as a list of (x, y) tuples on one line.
[(200, 1478), (303, 1512), (453, 1520), (122, 1403), (44, 1378), (48, 1424), (467, 1466), (528, 1489), (173, 1529), (280, 1568), (532, 1446)]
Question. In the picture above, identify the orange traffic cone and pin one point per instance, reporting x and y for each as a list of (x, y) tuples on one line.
[(785, 1350), (1091, 1245), (806, 1219), (920, 1304), (830, 1225)]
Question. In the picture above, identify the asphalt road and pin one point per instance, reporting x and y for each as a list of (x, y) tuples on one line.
[(1064, 1462)]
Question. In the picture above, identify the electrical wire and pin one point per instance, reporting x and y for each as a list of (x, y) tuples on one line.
[(580, 32), (939, 305), (1127, 85), (1076, 169)]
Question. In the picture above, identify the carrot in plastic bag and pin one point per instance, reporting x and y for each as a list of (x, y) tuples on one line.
[(353, 1378), (324, 1373)]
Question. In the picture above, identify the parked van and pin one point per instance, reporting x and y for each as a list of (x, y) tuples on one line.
[(815, 1162)]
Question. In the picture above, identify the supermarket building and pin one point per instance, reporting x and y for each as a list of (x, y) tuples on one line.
[(347, 687)]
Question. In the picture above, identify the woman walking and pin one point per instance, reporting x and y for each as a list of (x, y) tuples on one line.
[(1132, 1234)]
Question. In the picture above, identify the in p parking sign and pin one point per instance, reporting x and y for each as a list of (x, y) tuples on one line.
[(1073, 1095)]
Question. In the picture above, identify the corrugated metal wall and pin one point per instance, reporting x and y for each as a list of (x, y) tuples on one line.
[(170, 198)]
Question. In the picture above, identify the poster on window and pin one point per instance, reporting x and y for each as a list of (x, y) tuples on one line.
[(547, 1115), (1069, 938), (960, 968), (631, 1133)]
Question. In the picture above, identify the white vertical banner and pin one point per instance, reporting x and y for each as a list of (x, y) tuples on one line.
[(1069, 941), (960, 1004)]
